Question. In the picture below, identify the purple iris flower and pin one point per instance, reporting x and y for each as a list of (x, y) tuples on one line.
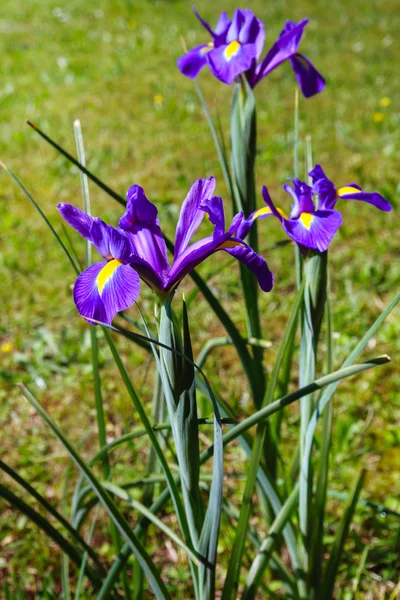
[(136, 249), (236, 48), (309, 226)]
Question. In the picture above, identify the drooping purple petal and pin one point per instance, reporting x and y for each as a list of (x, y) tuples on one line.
[(284, 48), (228, 62), (191, 216), (191, 63), (352, 193), (77, 218), (140, 220), (302, 196), (104, 289), (314, 230), (246, 224), (253, 261), (309, 79)]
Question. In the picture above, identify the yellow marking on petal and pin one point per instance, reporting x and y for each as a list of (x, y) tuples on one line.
[(232, 49), (267, 211), (106, 273), (306, 219), (207, 48), (347, 189), (229, 244)]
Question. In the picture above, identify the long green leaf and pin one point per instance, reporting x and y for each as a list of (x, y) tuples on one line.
[(341, 535), (150, 570), (265, 551), (328, 393), (122, 493), (49, 530)]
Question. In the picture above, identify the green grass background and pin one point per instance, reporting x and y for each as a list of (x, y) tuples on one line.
[(112, 65)]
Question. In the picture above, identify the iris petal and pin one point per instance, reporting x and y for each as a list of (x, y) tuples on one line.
[(314, 231), (104, 289), (191, 216)]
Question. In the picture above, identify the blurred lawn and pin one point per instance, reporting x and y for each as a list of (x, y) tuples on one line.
[(112, 65)]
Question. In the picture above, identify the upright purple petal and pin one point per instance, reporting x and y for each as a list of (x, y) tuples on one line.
[(191, 63), (78, 219), (317, 173), (314, 230), (110, 242), (214, 207), (191, 216), (203, 22), (302, 196), (221, 28), (140, 220), (252, 32), (309, 79), (268, 201), (138, 209), (104, 289)]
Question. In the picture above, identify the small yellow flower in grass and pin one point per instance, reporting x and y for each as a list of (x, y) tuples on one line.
[(6, 347), (378, 117), (385, 102), (158, 101)]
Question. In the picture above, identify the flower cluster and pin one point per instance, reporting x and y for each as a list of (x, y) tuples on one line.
[(137, 250), (310, 226), (236, 46)]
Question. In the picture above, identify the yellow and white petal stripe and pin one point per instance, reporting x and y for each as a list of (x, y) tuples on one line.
[(230, 244), (106, 273), (231, 50), (267, 211), (207, 48), (306, 219), (348, 189)]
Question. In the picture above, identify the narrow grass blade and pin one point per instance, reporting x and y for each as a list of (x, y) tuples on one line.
[(53, 512), (219, 147), (27, 194), (81, 167), (49, 530), (124, 495), (153, 576), (341, 535), (264, 553), (81, 575)]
